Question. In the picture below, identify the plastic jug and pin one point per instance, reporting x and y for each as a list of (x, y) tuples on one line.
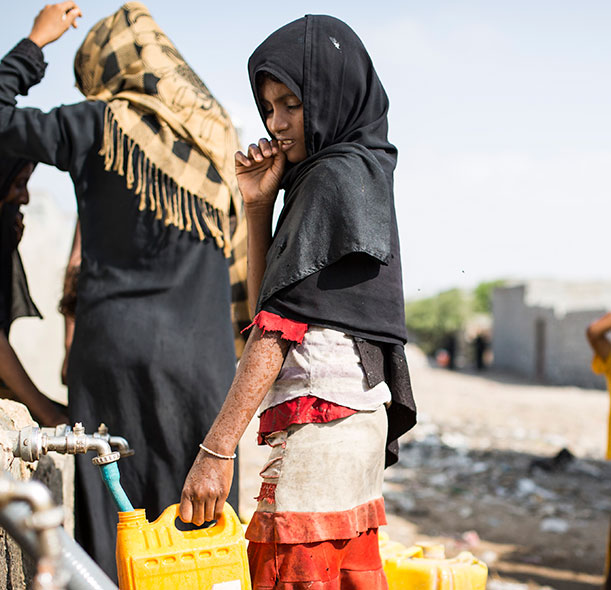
[(158, 556), (424, 567)]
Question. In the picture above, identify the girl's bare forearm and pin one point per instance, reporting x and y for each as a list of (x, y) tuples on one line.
[(259, 240), (257, 371)]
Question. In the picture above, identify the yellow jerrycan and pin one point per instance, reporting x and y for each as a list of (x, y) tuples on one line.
[(158, 556), (425, 567)]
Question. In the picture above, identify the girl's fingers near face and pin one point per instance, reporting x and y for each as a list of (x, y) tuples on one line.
[(241, 159), (265, 147), (254, 152)]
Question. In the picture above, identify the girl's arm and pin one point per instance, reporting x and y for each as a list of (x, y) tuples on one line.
[(20, 384), (209, 480), (259, 174), (597, 336)]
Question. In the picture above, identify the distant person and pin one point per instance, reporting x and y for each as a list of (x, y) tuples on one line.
[(15, 300), (449, 345), (480, 348), (599, 337), (150, 153)]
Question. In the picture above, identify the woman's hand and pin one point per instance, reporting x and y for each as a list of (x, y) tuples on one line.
[(259, 173), (206, 489), (53, 21)]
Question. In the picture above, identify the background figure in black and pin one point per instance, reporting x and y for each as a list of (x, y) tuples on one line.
[(480, 347), (15, 300), (449, 346), (153, 350)]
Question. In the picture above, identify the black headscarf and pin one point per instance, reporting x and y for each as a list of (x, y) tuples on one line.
[(334, 260), (15, 300)]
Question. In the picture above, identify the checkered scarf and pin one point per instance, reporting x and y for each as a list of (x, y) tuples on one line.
[(183, 169)]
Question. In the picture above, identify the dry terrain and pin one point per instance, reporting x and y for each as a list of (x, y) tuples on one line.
[(507, 469)]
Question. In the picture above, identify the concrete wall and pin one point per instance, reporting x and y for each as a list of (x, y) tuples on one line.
[(568, 356), (563, 357), (55, 471)]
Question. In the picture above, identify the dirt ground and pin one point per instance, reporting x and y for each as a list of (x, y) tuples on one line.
[(506, 469)]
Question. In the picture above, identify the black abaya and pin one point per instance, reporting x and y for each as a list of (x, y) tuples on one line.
[(153, 352)]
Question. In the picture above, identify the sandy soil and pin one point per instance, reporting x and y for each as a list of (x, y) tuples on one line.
[(484, 470)]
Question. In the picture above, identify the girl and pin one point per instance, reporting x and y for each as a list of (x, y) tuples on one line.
[(150, 153), (15, 300), (325, 358)]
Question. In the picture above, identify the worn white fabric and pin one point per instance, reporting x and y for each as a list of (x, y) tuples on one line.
[(328, 467), (327, 365)]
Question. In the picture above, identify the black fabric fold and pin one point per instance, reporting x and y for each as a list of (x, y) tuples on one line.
[(15, 299)]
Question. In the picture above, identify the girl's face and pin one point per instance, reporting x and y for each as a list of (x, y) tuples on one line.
[(18, 191), (283, 113)]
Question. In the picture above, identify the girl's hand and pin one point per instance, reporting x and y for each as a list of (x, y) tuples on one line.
[(259, 173), (206, 489), (53, 21)]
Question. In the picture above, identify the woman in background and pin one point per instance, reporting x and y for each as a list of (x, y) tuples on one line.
[(15, 300), (151, 157)]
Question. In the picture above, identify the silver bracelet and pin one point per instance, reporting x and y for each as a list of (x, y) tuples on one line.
[(217, 455)]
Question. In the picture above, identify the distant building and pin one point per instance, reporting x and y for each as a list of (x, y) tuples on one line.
[(539, 330)]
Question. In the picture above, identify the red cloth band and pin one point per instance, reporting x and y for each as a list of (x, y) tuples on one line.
[(270, 322)]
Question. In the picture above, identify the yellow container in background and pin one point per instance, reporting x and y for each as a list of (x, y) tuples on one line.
[(424, 567), (158, 556)]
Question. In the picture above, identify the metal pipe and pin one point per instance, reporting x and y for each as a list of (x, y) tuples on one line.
[(83, 573), (45, 518), (31, 443), (116, 442)]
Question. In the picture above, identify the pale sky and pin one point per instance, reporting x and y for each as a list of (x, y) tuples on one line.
[(500, 111)]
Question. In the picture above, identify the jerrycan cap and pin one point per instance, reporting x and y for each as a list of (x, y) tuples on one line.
[(133, 518)]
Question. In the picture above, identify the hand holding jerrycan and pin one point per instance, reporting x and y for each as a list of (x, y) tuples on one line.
[(158, 556)]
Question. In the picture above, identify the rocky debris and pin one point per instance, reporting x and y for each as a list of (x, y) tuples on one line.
[(551, 507)]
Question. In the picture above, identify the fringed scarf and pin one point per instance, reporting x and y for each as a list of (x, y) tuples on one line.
[(167, 135), (183, 169)]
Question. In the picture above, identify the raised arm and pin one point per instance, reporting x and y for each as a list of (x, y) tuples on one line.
[(57, 138), (259, 174), (53, 21), (209, 480), (598, 333)]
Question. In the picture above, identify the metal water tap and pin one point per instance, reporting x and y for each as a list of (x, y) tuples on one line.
[(116, 442), (32, 442), (44, 520)]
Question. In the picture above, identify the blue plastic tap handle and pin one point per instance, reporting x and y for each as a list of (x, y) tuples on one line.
[(111, 477)]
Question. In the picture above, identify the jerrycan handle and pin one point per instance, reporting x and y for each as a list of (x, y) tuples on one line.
[(171, 513)]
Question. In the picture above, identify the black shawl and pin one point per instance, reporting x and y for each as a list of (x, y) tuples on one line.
[(15, 300), (334, 260)]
